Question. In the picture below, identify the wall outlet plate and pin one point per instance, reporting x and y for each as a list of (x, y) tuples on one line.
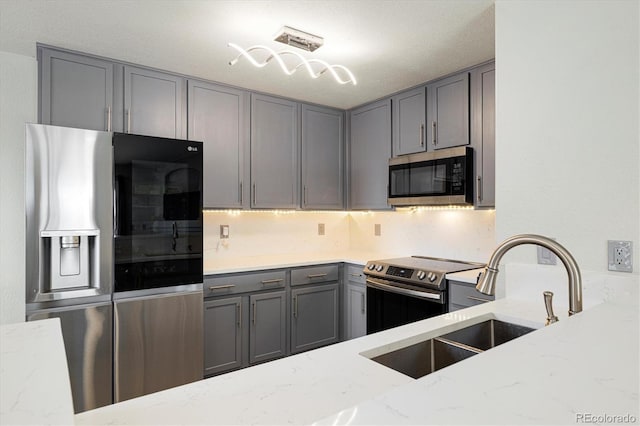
[(377, 230), (224, 231), (321, 229), (546, 257), (620, 255)]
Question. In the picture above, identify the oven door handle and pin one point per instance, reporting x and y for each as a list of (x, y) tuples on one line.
[(384, 285)]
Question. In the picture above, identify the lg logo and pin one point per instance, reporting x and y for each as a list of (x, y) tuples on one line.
[(192, 148)]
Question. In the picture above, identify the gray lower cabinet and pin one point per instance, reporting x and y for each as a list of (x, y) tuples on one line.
[(483, 132), (369, 152), (448, 112), (267, 330), (355, 316), (223, 335), (275, 165), (408, 122), (245, 319), (462, 295), (154, 103), (315, 306), (76, 90), (322, 158), (219, 117)]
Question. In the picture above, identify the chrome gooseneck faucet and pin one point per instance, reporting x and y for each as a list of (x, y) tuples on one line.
[(487, 281)]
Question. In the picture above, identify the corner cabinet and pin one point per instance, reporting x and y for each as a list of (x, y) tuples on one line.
[(369, 153), (315, 307), (483, 137), (76, 90), (355, 302), (322, 158), (275, 165), (408, 122), (154, 103), (219, 117), (448, 112)]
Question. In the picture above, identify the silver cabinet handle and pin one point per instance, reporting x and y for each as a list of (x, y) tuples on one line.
[(312, 276), (356, 275), (241, 194), (109, 118), (220, 287), (278, 280), (479, 185), (422, 135), (295, 307), (362, 304), (128, 120), (304, 195), (479, 299), (433, 132), (254, 195), (239, 310), (253, 306)]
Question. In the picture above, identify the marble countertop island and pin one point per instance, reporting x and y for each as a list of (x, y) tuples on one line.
[(583, 365)]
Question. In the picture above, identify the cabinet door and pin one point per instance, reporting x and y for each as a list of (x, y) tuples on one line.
[(76, 91), (154, 103), (315, 317), (322, 154), (483, 136), (274, 152), (356, 310), (408, 122), (448, 111), (369, 152), (222, 335), (268, 326), (219, 117)]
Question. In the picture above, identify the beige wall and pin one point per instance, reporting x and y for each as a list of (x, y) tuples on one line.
[(17, 106), (567, 126)]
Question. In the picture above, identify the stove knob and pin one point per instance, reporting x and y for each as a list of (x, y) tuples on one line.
[(379, 268), (421, 275), (432, 277), (371, 266)]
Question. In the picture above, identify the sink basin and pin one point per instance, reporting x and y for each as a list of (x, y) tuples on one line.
[(434, 354)]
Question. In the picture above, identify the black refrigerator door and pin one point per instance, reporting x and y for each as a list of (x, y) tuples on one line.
[(158, 212)]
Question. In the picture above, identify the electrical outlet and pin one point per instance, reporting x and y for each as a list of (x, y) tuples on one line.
[(377, 229), (546, 256), (224, 231), (620, 256), (321, 229)]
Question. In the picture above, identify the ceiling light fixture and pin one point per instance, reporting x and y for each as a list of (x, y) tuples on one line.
[(301, 40)]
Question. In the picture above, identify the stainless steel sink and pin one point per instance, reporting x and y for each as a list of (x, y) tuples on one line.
[(434, 354)]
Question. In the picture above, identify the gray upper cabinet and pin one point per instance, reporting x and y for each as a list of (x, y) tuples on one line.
[(275, 165), (448, 112), (369, 152), (268, 331), (154, 103), (76, 91), (483, 132), (322, 158), (408, 122), (219, 117)]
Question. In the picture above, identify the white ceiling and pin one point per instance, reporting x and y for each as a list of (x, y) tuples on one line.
[(389, 45)]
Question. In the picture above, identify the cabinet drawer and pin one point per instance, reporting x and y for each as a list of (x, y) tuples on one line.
[(355, 274), (220, 285), (464, 294), (314, 274)]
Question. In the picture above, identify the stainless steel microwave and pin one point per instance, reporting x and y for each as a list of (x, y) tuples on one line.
[(442, 177)]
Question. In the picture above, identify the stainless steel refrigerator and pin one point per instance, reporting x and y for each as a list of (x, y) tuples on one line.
[(69, 244), (114, 249)]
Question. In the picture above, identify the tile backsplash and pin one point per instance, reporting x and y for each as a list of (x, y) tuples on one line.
[(457, 234)]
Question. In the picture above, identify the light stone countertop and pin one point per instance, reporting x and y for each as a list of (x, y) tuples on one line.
[(586, 364), (34, 383)]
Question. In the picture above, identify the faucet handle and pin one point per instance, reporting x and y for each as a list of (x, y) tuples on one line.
[(548, 303)]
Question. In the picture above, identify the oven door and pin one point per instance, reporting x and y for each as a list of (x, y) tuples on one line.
[(391, 304)]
